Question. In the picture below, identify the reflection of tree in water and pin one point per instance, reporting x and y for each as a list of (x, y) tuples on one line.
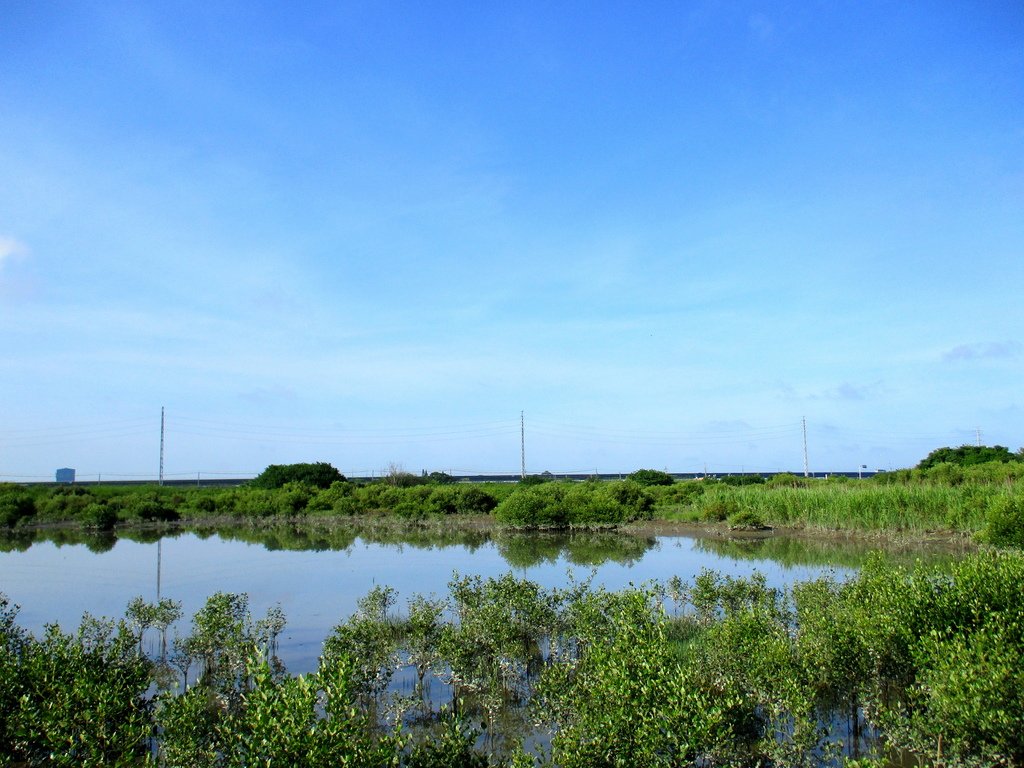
[(527, 549), (429, 536), (312, 537), (843, 552), (16, 541), (94, 541), (292, 538), (100, 542), (305, 537), (149, 535)]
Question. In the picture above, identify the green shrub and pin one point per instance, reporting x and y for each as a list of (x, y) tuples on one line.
[(100, 517), (562, 505), (15, 507), (636, 502), (319, 475), (717, 509), (252, 502), (293, 497), (946, 473), (474, 501), (64, 503), (379, 497), (413, 501), (534, 506), (543, 477), (151, 511), (784, 480), (651, 477), (1005, 525), (967, 455), (683, 492), (204, 504), (337, 497), (745, 519), (459, 500)]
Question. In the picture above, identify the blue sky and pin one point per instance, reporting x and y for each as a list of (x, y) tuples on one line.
[(374, 233)]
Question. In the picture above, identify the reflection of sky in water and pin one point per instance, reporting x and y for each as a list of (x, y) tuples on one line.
[(317, 590)]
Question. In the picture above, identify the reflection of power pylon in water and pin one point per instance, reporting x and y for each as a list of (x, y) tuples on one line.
[(159, 552), (163, 630)]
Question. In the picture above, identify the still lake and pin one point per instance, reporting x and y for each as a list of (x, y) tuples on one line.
[(316, 575)]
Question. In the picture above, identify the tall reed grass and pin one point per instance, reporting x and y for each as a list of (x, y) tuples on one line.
[(854, 505)]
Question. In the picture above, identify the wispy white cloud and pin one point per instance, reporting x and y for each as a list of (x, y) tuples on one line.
[(11, 248), (983, 351), (843, 392)]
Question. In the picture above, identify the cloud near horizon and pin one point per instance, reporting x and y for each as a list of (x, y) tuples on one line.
[(983, 351)]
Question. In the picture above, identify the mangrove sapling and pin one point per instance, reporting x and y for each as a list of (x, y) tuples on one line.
[(369, 639), (309, 720), (223, 635), (160, 615), (495, 648), (12, 643), (715, 596), (81, 698), (625, 700), (678, 593), (967, 700), (833, 659), (420, 635)]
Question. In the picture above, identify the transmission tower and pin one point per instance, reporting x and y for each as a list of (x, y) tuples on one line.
[(160, 480), (522, 444), (807, 466)]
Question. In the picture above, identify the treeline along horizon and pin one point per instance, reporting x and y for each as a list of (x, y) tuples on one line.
[(980, 499)]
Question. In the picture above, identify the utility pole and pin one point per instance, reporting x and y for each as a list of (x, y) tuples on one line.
[(522, 444), (160, 480), (807, 466), (977, 431)]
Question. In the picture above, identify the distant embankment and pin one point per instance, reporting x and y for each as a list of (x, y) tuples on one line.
[(228, 482)]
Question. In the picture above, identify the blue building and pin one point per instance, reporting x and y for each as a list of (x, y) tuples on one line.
[(65, 475)]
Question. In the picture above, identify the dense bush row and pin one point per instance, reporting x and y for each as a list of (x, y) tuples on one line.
[(551, 504), (923, 663), (983, 499), (104, 506)]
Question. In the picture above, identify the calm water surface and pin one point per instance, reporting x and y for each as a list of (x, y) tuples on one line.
[(317, 576)]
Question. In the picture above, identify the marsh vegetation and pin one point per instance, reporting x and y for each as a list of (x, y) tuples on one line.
[(983, 500), (890, 663), (718, 670)]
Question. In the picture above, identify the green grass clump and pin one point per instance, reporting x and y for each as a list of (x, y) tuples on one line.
[(913, 506)]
